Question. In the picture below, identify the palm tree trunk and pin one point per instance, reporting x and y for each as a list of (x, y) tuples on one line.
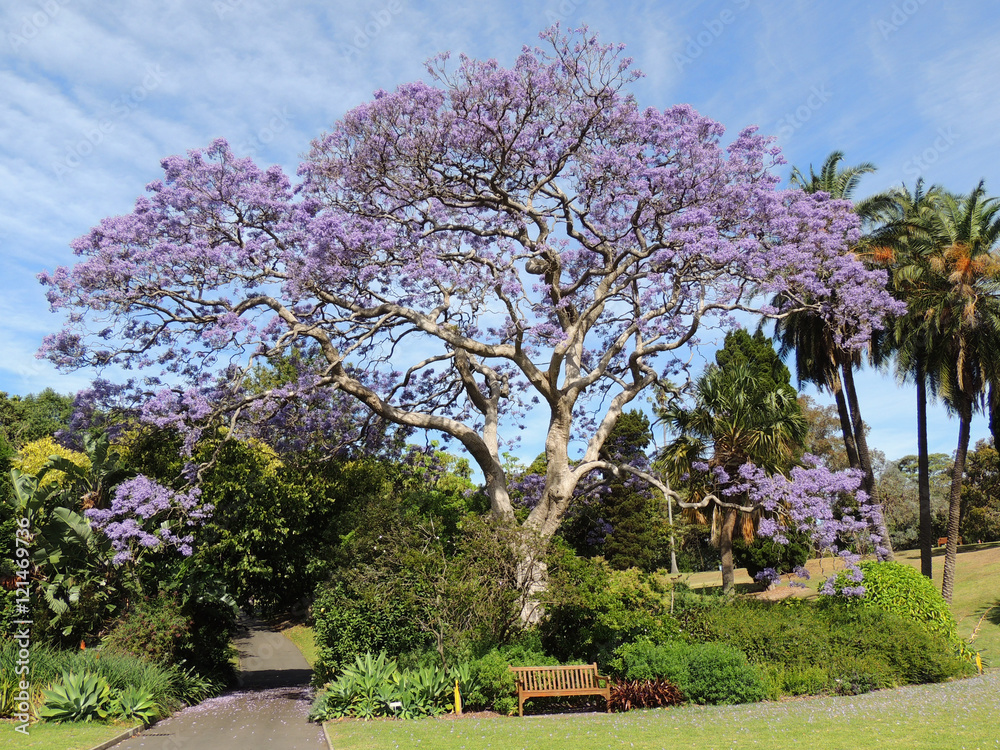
[(845, 421), (994, 413), (955, 499), (923, 474), (863, 455), (726, 549)]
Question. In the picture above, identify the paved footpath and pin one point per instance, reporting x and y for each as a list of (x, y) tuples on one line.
[(267, 711)]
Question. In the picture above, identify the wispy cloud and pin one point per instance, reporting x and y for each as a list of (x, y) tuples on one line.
[(94, 95)]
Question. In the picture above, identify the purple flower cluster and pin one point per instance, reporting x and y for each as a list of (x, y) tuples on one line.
[(147, 515), (827, 506)]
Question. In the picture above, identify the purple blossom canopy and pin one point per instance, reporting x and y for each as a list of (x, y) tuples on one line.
[(456, 249)]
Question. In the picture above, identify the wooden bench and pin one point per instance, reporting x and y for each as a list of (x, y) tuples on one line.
[(577, 679)]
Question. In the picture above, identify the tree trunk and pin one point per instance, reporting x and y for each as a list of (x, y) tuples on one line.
[(923, 475), (955, 499), (863, 455), (994, 413), (726, 549), (845, 421)]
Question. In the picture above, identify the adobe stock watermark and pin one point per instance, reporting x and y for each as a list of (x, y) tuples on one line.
[(377, 22), (696, 45), (900, 13), (33, 25), (223, 8), (787, 125), (280, 120), (562, 11), (22, 633), (121, 109), (915, 166)]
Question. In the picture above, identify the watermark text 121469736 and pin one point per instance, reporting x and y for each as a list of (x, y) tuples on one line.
[(22, 626)]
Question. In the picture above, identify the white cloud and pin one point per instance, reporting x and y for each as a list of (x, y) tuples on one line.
[(271, 76)]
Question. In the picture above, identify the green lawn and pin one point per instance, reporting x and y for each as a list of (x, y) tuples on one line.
[(60, 736), (302, 637), (962, 714)]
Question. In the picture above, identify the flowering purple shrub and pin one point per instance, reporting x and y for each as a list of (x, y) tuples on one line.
[(457, 251), (147, 515), (807, 500)]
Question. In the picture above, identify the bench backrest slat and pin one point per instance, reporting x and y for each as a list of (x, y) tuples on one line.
[(573, 677)]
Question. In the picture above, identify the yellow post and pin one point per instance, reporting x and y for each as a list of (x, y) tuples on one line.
[(458, 700)]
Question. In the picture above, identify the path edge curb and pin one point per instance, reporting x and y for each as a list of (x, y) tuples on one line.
[(127, 735)]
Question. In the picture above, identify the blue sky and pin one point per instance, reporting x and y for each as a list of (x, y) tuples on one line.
[(94, 94)]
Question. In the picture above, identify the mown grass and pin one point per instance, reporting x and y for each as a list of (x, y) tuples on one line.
[(302, 637), (962, 714), (80, 736)]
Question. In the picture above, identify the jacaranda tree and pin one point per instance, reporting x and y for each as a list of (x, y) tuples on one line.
[(458, 251)]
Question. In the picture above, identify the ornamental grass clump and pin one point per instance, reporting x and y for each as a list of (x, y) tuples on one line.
[(630, 694)]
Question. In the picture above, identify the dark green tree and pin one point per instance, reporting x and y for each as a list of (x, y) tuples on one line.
[(27, 418), (824, 439), (741, 413), (981, 494), (628, 507)]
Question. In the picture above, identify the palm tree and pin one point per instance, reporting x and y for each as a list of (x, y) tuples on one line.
[(906, 253), (963, 319), (738, 418), (818, 357)]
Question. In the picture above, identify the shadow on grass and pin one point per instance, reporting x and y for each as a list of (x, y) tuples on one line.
[(739, 588), (963, 548), (992, 613)]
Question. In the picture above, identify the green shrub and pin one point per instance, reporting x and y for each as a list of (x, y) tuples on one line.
[(790, 632), (805, 680), (853, 675), (764, 553), (797, 635), (644, 660), (207, 645), (721, 674), (907, 651), (705, 672), (592, 609), (903, 591), (153, 628), (352, 620)]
